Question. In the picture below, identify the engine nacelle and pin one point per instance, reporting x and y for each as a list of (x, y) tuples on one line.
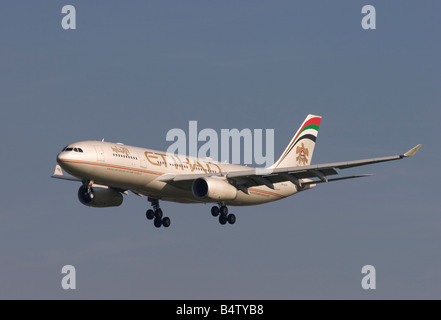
[(99, 197), (213, 188)]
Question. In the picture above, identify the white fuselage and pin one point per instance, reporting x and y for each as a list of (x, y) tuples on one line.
[(137, 169)]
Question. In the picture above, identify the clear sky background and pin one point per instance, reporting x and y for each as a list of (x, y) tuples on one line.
[(131, 71)]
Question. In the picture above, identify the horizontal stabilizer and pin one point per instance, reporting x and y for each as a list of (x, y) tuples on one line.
[(58, 174), (336, 179)]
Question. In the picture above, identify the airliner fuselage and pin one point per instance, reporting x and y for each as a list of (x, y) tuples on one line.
[(132, 168)]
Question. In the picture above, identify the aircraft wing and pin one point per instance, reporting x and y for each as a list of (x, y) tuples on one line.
[(245, 179)]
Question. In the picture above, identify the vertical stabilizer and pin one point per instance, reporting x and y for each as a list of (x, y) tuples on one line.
[(301, 147)]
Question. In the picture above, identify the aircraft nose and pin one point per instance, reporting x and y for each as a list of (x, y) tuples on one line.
[(61, 157)]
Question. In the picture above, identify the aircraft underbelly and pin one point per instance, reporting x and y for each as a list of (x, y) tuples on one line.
[(257, 195)]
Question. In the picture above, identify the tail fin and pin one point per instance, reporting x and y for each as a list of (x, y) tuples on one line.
[(299, 151)]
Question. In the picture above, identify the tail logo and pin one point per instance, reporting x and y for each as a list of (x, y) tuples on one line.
[(302, 153)]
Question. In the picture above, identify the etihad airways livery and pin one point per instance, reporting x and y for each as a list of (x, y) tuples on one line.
[(108, 170)]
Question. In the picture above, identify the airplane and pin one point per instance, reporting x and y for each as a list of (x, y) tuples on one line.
[(108, 170)]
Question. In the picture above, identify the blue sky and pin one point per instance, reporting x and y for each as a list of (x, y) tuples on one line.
[(129, 73)]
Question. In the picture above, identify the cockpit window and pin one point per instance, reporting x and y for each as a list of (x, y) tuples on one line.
[(72, 149)]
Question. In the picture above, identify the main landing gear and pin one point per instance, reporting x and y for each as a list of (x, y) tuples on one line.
[(222, 212), (158, 220), (156, 214)]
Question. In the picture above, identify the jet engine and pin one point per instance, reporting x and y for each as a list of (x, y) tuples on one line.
[(213, 188), (99, 197)]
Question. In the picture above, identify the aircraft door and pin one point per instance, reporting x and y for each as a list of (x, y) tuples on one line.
[(99, 153), (143, 160)]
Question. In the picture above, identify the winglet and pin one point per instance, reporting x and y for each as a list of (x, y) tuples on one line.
[(412, 151)]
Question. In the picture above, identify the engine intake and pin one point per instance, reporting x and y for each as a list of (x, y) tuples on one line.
[(213, 188), (99, 197)]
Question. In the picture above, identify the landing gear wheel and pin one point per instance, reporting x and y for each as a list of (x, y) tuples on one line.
[(231, 218), (166, 222), (215, 211), (222, 219), (150, 214), (223, 210), (157, 222), (158, 214)]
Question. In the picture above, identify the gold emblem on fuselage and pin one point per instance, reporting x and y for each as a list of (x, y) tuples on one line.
[(122, 150), (302, 154)]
